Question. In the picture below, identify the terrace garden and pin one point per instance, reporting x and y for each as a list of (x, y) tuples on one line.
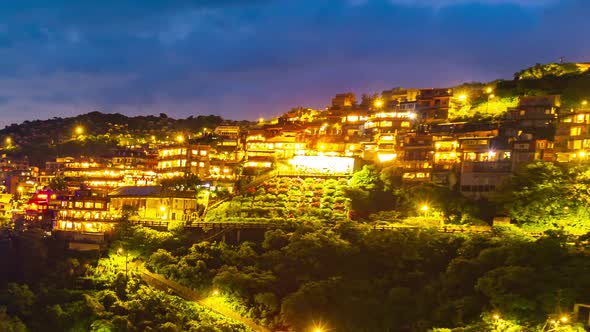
[(283, 198)]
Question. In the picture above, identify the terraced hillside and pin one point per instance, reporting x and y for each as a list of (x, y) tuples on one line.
[(283, 198)]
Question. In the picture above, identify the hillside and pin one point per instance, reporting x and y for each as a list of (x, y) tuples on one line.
[(43, 140), (570, 80)]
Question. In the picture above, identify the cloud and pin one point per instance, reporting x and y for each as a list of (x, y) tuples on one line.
[(446, 3)]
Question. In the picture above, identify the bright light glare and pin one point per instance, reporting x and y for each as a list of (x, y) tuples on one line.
[(378, 103), (323, 164)]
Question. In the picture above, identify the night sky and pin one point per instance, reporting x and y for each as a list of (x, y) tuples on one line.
[(246, 59)]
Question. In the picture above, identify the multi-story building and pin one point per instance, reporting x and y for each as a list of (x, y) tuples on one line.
[(486, 162), (432, 105), (535, 112), (572, 136), (86, 211), (155, 203), (417, 157), (184, 159)]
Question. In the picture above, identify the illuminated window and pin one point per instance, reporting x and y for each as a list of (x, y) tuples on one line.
[(201, 164), (78, 204), (203, 152), (575, 131), (98, 205), (88, 205)]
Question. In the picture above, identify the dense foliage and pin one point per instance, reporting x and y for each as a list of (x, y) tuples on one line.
[(353, 279), (44, 288), (548, 195)]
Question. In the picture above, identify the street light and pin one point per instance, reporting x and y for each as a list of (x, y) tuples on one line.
[(79, 130), (584, 102), (8, 140), (120, 252), (462, 97), (180, 138), (489, 90), (424, 208), (216, 292), (378, 103)]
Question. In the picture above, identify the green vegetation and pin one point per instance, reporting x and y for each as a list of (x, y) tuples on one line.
[(350, 278), (545, 195), (43, 288), (284, 198), (540, 71)]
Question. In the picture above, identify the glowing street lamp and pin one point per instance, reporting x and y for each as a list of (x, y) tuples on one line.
[(584, 102), (180, 138), (496, 317), (462, 97), (378, 103), (489, 90), (8, 141), (424, 208), (79, 130), (216, 292), (261, 120), (564, 319)]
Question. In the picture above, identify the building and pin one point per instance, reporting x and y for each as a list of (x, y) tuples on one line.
[(86, 211), (486, 162), (155, 203), (184, 159), (572, 136), (535, 112)]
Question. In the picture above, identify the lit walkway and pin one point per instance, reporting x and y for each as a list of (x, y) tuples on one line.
[(212, 303)]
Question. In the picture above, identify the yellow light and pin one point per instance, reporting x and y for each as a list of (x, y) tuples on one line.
[(424, 208), (317, 329), (584, 102), (120, 251), (492, 96), (162, 208), (153, 138), (411, 116), (489, 90), (79, 130), (378, 103), (462, 97), (20, 189), (496, 316), (216, 292), (261, 120), (180, 138), (385, 157), (582, 154), (564, 319), (8, 140)]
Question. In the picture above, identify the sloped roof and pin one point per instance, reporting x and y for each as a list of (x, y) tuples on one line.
[(150, 191), (137, 191)]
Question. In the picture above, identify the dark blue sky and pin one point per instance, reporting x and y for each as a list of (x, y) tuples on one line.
[(245, 59)]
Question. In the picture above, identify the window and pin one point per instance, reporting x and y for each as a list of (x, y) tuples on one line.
[(98, 205), (201, 164), (78, 204), (575, 131)]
